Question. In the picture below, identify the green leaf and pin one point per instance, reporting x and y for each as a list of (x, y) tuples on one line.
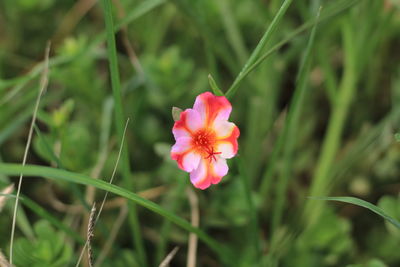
[(364, 204), (33, 206), (214, 86), (176, 113), (45, 146), (397, 137)]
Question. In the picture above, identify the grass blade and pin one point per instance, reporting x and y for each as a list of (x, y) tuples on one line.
[(364, 204), (20, 82), (253, 226), (329, 13), (335, 128), (119, 120), (291, 129), (52, 173), (257, 51)]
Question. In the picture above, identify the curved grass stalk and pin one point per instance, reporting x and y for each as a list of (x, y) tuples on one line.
[(54, 174)]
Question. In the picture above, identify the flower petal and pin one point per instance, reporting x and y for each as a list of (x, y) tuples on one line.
[(182, 145), (219, 168), (209, 172), (183, 153), (190, 161), (180, 132), (211, 107), (228, 150), (189, 121), (193, 120), (198, 177), (227, 134), (224, 129)]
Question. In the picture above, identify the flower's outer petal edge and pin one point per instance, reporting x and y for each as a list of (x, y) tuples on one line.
[(182, 145), (225, 129), (227, 142), (184, 155), (209, 172), (212, 108)]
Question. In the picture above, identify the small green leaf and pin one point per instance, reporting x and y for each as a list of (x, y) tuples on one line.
[(397, 137), (176, 113), (365, 204), (214, 86)]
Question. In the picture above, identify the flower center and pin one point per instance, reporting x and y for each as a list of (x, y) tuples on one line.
[(204, 142)]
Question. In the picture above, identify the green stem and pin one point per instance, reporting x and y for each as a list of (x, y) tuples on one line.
[(335, 127), (260, 46), (326, 14), (290, 131), (253, 212)]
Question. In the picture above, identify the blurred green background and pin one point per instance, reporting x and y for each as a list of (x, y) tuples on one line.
[(322, 123)]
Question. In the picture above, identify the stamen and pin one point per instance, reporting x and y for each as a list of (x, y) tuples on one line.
[(211, 154), (203, 141)]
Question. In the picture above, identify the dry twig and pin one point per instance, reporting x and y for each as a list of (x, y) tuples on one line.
[(3, 199), (195, 218), (3, 261), (169, 257), (90, 234)]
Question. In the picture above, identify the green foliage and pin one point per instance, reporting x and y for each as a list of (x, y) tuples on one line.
[(316, 99), (370, 263), (367, 205), (49, 248), (326, 244)]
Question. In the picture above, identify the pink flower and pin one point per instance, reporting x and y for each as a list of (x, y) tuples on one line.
[(205, 139)]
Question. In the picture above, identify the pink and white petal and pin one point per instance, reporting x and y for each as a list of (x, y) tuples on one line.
[(182, 145), (180, 132), (190, 161), (219, 168), (199, 177), (200, 104), (189, 121), (194, 121), (211, 107), (223, 129), (187, 161), (226, 148), (209, 172)]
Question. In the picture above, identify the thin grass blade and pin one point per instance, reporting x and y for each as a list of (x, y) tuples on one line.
[(261, 44), (364, 204), (34, 171), (119, 121)]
